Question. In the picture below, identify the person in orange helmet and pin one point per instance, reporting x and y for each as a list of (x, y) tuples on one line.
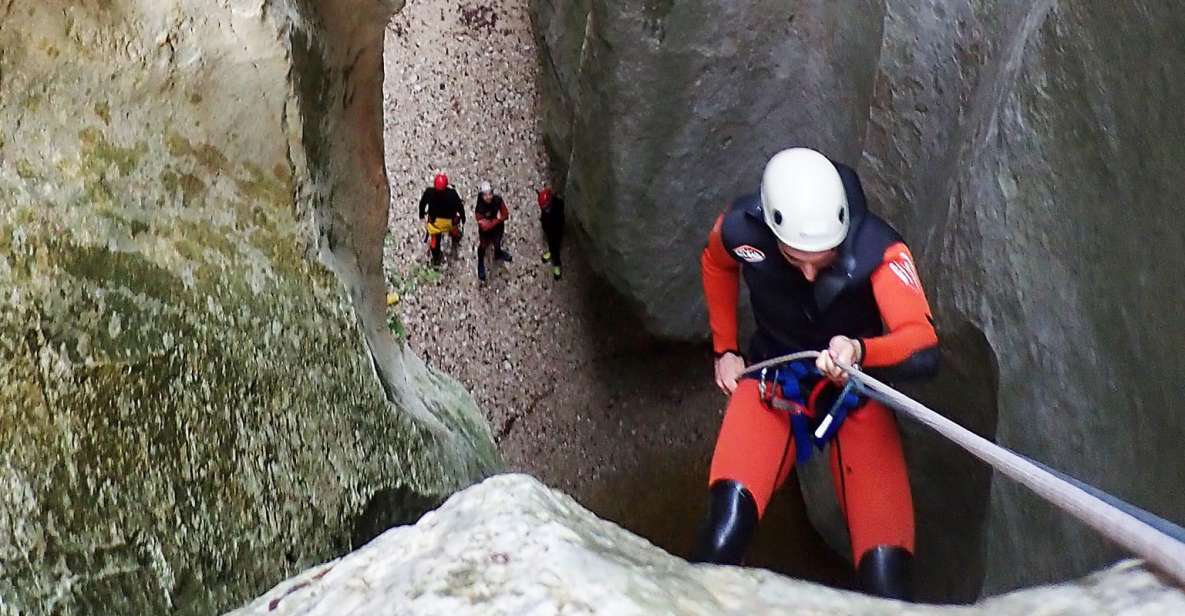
[(823, 273), (443, 212)]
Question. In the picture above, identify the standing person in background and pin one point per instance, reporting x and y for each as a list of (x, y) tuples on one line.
[(491, 215), (442, 211), (551, 218)]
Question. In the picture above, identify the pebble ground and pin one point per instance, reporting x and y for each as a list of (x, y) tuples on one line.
[(576, 394)]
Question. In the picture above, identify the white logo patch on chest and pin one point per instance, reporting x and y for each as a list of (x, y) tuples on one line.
[(749, 253)]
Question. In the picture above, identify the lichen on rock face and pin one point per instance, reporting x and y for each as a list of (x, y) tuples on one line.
[(186, 395)]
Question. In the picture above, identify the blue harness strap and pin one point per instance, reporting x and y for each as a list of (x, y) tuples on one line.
[(793, 381), (849, 399), (803, 445)]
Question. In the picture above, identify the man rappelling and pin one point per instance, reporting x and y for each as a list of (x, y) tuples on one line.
[(823, 273)]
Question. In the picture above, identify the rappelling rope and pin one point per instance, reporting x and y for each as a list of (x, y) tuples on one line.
[(1104, 513)]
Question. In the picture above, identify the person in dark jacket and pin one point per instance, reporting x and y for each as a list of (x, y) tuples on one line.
[(551, 218), (823, 272), (443, 212), (491, 215)]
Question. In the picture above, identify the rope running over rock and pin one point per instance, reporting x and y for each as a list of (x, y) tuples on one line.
[(1154, 546)]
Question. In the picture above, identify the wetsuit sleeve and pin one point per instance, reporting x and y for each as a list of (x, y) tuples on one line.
[(503, 213), (909, 327), (424, 204), (460, 206), (722, 280)]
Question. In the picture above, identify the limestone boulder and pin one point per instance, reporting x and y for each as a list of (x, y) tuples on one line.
[(510, 545)]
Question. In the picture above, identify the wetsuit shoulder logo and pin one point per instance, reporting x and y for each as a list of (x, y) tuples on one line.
[(749, 253), (903, 267)]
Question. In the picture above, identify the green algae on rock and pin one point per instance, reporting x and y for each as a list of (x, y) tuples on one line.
[(192, 401)]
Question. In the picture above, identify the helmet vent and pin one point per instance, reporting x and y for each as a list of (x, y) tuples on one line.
[(841, 216), (777, 217)]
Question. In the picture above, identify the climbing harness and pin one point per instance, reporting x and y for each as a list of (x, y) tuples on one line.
[(786, 389), (1156, 540), (849, 399)]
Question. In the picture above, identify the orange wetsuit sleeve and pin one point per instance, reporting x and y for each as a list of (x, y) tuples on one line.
[(503, 212), (722, 280), (906, 313)]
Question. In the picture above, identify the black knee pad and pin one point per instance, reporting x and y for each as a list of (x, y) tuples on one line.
[(885, 571), (732, 519)]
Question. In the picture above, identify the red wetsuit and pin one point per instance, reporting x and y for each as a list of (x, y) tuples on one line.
[(873, 294)]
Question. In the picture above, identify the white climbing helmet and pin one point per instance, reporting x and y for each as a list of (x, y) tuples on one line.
[(486, 188), (804, 201)]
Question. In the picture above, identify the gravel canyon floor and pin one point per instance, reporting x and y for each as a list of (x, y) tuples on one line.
[(576, 395)]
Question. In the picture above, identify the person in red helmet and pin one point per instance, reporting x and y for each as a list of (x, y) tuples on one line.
[(551, 218), (823, 273), (443, 212)]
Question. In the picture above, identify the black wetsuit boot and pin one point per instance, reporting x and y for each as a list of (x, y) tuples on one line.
[(434, 243), (481, 265), (884, 571), (732, 518)]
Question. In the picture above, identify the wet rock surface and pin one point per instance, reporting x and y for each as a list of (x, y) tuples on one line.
[(512, 546), (1036, 170), (188, 396), (655, 113)]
